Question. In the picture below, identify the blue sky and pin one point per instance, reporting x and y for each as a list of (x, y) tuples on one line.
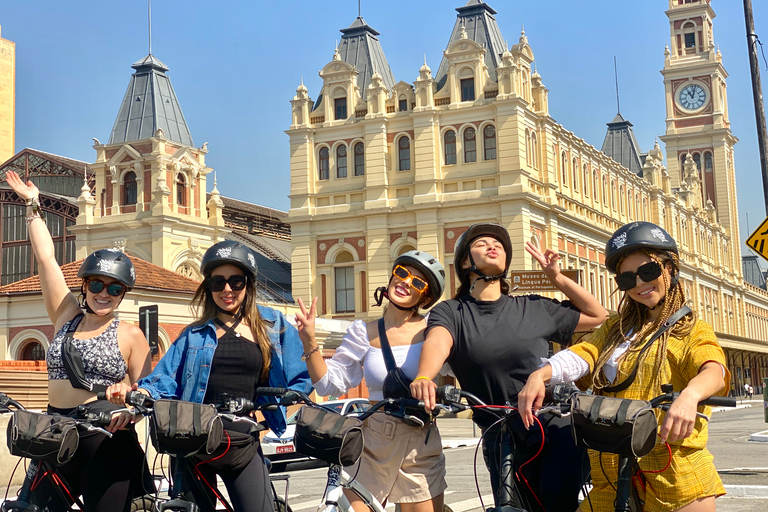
[(236, 64)]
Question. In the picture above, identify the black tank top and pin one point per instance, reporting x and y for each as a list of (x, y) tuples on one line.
[(236, 367)]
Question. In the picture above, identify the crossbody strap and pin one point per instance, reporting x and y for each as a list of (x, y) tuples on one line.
[(680, 313), (386, 350), (73, 362)]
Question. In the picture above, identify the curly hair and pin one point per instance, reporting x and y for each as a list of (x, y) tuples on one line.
[(632, 322)]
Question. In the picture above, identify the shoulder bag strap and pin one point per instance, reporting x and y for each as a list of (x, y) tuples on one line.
[(386, 350), (73, 361), (680, 313)]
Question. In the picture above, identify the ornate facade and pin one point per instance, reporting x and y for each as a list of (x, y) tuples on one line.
[(379, 168)]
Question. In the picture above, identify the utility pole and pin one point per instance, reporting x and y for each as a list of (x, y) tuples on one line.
[(757, 93)]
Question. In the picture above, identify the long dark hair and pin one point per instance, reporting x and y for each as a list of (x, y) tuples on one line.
[(204, 304)]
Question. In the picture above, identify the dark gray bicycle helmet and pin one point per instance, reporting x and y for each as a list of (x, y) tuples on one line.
[(474, 232), (229, 252), (636, 236), (433, 271), (109, 263)]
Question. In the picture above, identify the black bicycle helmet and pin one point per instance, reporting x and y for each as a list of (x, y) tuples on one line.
[(229, 252), (474, 232), (636, 236), (433, 271), (109, 263)]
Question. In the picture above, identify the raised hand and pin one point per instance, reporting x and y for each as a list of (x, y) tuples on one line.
[(305, 322), (24, 191), (549, 260)]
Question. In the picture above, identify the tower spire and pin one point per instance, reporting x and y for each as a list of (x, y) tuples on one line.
[(616, 77), (149, 20)]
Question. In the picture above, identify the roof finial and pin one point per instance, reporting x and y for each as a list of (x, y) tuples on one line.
[(616, 76), (149, 17), (359, 11), (302, 83), (522, 30)]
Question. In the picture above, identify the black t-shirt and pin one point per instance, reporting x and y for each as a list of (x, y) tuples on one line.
[(497, 344), (235, 369)]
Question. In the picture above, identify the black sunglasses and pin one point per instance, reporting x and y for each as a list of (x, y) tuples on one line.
[(217, 283), (113, 289), (647, 272)]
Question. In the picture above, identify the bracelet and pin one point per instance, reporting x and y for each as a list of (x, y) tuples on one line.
[(306, 355), (35, 215), (34, 202), (422, 377)]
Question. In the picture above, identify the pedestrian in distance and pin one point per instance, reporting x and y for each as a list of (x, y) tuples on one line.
[(111, 351), (493, 341), (233, 347), (401, 463), (678, 473)]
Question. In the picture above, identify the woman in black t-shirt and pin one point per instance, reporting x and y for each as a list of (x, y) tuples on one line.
[(493, 342)]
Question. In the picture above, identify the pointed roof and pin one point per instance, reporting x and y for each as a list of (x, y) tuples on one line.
[(479, 22), (150, 103), (360, 47), (620, 144)]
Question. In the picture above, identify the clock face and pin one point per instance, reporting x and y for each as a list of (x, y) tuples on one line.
[(692, 97)]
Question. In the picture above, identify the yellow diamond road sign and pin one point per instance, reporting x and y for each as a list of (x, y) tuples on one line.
[(759, 239)]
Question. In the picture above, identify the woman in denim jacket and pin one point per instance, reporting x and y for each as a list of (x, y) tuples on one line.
[(232, 348)]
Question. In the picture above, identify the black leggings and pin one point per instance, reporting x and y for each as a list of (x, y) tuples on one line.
[(249, 488), (107, 472), (556, 475)]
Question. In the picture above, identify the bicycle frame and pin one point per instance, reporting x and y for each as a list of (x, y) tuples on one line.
[(335, 500)]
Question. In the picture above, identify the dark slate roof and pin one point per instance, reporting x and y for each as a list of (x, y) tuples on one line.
[(273, 260), (753, 274), (621, 145), (360, 47), (150, 103), (479, 22)]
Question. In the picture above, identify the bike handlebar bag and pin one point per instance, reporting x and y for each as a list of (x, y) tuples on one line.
[(47, 437), (185, 428), (328, 436), (613, 425)]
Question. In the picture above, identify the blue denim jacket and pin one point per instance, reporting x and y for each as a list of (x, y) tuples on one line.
[(184, 370)]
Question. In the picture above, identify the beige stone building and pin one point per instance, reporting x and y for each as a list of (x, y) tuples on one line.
[(380, 167), (7, 98)]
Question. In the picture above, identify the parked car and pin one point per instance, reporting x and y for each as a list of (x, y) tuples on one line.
[(281, 450)]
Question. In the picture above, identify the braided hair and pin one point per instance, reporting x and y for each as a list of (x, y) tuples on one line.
[(632, 321)]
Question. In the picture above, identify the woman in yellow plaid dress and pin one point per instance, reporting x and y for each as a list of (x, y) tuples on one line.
[(680, 476)]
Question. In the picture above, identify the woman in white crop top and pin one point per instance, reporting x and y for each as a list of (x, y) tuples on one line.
[(397, 465)]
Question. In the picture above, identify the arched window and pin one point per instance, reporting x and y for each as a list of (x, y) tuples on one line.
[(638, 212), (585, 180), (322, 164), (621, 199), (605, 190), (449, 144), (575, 174), (32, 351), (707, 162), (613, 194), (181, 190), (467, 89), (344, 280), (528, 147), (489, 142), (470, 146), (594, 184), (564, 168), (689, 35), (129, 188), (402, 103), (534, 150), (359, 159), (629, 202), (341, 161), (404, 154), (340, 108), (697, 161)]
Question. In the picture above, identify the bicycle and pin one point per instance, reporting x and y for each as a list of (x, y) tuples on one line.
[(514, 493), (84, 420), (234, 410), (627, 498)]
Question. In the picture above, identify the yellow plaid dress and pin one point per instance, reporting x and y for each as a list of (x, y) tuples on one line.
[(691, 473)]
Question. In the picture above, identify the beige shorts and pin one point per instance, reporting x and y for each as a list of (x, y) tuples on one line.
[(396, 465)]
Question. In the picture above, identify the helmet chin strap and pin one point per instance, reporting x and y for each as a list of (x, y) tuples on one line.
[(381, 293), (235, 316), (481, 275)]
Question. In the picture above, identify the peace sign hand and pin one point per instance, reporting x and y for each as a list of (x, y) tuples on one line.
[(549, 260), (25, 192), (305, 322)]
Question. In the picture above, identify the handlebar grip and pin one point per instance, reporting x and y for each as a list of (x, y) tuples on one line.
[(719, 401), (271, 391), (138, 399), (101, 395)]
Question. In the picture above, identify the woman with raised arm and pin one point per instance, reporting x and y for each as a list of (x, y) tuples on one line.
[(233, 347), (112, 352), (493, 341), (679, 476), (401, 463)]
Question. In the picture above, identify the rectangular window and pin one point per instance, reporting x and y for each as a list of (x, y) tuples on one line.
[(340, 107), (468, 89), (345, 290), (690, 40), (403, 105)]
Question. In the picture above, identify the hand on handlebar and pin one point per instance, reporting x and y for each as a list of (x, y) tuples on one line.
[(120, 420), (680, 419), (530, 398), (424, 390), (116, 392)]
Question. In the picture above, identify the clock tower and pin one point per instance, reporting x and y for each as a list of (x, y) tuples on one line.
[(697, 109)]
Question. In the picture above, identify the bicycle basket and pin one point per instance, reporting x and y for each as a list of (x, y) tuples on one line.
[(613, 425), (328, 436), (185, 428), (51, 438)]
